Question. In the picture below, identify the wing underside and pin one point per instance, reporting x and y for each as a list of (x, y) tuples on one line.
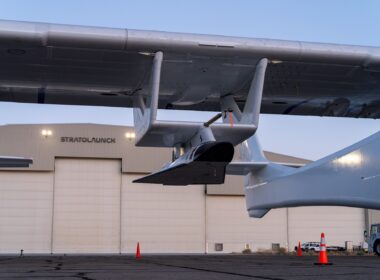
[(61, 64)]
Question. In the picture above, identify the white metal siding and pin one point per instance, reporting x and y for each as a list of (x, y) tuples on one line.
[(164, 219), (339, 224), (87, 206), (228, 223), (25, 211)]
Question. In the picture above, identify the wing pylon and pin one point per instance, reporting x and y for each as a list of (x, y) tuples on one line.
[(188, 138)]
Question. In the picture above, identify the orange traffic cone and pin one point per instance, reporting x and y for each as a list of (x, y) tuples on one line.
[(138, 255), (299, 251), (323, 260)]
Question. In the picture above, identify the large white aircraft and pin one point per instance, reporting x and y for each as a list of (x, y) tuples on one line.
[(239, 77)]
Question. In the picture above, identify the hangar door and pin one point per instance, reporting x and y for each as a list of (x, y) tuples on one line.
[(164, 219), (86, 214), (228, 223), (25, 211), (340, 224)]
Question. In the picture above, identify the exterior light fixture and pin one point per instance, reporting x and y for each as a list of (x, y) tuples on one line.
[(46, 133), (276, 61), (130, 135), (351, 159), (147, 53)]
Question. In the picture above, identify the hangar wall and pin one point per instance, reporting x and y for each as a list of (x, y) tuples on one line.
[(78, 197)]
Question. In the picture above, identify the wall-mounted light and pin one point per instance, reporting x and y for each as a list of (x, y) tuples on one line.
[(46, 133), (130, 135)]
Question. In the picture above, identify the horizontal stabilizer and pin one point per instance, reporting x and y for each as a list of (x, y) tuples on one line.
[(243, 168), (9, 162), (170, 133)]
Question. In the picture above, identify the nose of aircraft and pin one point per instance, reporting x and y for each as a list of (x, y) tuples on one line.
[(215, 152)]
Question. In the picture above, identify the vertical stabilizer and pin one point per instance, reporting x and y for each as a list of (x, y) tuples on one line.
[(251, 153)]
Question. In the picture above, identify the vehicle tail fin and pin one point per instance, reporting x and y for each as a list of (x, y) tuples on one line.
[(261, 171), (254, 165)]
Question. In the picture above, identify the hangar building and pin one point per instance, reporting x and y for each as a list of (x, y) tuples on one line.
[(78, 197)]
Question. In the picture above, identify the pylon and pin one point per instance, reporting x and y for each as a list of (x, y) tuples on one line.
[(138, 255), (299, 251), (323, 260)]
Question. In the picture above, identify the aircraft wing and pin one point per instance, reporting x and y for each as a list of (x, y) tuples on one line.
[(64, 64)]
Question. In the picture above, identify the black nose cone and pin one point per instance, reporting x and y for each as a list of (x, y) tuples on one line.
[(215, 152)]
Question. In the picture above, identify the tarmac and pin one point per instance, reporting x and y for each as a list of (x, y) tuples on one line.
[(181, 267)]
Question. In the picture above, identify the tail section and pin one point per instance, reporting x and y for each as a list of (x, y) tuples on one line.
[(349, 177), (254, 165), (251, 151)]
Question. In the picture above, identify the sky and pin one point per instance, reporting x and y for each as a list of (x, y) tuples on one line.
[(334, 21)]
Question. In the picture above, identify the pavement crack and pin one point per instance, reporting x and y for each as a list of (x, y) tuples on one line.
[(58, 267), (82, 275)]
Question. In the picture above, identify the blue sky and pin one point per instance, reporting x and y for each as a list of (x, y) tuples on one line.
[(335, 21)]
